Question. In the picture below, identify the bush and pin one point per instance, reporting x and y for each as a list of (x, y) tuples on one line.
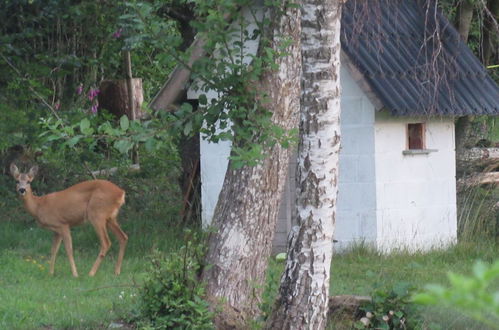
[(474, 295), (172, 296), (391, 308)]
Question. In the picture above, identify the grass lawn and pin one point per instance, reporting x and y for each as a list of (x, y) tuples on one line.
[(360, 270), (32, 299)]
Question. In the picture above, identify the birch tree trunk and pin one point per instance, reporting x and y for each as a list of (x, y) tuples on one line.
[(248, 204), (304, 290)]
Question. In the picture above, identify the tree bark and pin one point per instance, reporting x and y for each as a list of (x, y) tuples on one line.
[(114, 97), (463, 18), (303, 295), (490, 31), (248, 204), (463, 23)]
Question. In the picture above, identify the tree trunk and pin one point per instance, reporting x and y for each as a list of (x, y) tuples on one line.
[(463, 18), (303, 295), (490, 31), (463, 24), (114, 97), (248, 204)]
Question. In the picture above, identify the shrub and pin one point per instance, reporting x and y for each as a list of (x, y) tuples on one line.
[(391, 308), (471, 295), (172, 296)]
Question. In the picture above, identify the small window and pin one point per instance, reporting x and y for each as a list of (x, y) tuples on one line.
[(416, 136)]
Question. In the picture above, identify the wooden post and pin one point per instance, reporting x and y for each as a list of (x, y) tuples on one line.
[(131, 101)]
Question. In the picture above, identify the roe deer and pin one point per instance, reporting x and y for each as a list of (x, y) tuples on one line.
[(97, 201)]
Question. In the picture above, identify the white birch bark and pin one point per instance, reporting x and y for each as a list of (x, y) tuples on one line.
[(248, 205), (304, 291)]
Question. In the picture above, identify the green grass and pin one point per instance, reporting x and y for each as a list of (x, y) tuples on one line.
[(360, 270), (32, 299)]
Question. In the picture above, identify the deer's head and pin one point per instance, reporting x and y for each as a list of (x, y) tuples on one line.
[(23, 180)]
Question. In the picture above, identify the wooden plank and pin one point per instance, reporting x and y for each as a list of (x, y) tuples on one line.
[(481, 179), (178, 79)]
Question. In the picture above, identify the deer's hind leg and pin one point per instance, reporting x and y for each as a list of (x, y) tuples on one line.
[(99, 224), (122, 239)]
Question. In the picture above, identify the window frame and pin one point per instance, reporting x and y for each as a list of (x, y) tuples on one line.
[(417, 151), (421, 135)]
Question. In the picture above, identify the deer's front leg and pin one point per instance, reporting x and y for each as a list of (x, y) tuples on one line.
[(56, 243), (68, 245)]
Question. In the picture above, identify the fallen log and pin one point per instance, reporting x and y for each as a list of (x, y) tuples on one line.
[(480, 179), (476, 160), (474, 154)]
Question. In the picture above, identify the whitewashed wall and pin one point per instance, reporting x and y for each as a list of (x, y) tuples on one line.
[(356, 215), (416, 194), (356, 209), (385, 198)]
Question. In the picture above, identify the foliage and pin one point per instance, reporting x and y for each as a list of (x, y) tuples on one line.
[(172, 293), (472, 295), (239, 113), (17, 127), (362, 270), (90, 132), (271, 288), (390, 308), (52, 56), (52, 47)]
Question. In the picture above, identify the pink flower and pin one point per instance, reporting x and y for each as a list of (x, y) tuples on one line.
[(79, 89), (117, 33), (95, 107), (92, 93), (57, 106)]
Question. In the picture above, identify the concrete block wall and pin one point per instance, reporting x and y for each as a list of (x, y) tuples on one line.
[(416, 194), (386, 198), (356, 207)]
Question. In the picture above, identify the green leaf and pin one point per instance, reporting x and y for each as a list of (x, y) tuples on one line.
[(123, 146), (202, 99), (424, 299), (52, 137), (188, 128), (84, 124), (151, 144), (88, 131), (480, 269), (73, 141), (124, 123)]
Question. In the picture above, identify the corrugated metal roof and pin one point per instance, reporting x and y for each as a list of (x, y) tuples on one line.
[(414, 60)]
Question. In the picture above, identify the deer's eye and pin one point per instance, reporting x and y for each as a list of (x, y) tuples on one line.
[(17, 182), (28, 182)]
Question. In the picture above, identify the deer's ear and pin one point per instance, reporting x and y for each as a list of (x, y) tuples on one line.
[(32, 171), (14, 171)]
